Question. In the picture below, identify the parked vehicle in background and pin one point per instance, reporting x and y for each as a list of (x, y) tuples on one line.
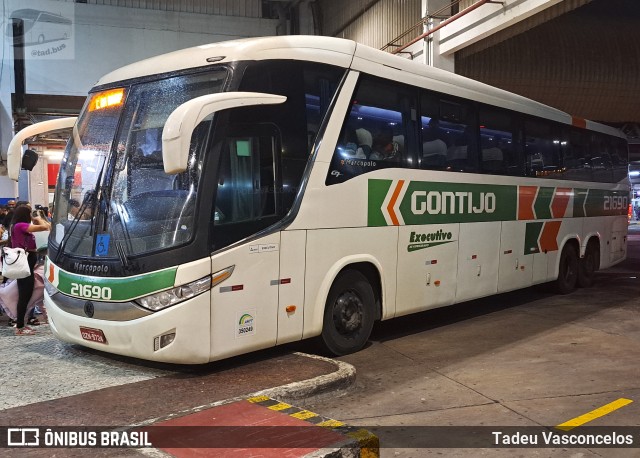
[(39, 26)]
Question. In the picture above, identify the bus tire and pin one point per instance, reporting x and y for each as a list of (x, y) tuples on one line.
[(589, 265), (567, 270), (349, 313)]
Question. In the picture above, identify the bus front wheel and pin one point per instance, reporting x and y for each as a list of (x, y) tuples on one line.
[(568, 270), (348, 314)]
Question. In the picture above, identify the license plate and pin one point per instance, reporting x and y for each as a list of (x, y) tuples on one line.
[(93, 335)]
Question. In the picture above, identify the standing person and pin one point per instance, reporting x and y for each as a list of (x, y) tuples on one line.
[(22, 228), (6, 222), (3, 230)]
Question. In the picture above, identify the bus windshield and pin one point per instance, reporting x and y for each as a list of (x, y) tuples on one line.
[(113, 196)]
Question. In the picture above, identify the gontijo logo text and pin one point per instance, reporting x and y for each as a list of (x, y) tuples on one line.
[(404, 202)]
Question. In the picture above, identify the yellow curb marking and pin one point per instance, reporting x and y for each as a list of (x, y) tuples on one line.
[(303, 415), (279, 406), (258, 399), (597, 413), (331, 424)]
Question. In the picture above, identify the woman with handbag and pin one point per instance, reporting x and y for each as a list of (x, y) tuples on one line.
[(23, 225)]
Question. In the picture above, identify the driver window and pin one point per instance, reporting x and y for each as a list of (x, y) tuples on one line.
[(246, 197)]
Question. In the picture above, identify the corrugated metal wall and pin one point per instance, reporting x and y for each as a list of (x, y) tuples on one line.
[(371, 22), (242, 8), (582, 62)]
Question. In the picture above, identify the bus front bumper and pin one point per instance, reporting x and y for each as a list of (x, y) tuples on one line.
[(142, 337)]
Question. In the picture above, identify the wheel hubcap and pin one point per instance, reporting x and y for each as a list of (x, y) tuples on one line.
[(347, 313)]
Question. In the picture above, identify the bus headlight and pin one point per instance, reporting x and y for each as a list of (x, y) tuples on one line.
[(164, 299)]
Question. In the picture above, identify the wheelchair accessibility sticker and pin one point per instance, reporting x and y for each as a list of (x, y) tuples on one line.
[(102, 244)]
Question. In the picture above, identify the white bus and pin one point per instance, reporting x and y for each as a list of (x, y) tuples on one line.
[(241, 195), (40, 26)]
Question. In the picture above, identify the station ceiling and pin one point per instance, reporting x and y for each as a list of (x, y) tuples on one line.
[(585, 62)]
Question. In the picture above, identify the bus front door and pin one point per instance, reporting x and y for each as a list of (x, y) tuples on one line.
[(244, 307)]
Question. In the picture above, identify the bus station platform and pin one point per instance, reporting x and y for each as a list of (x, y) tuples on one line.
[(240, 407)]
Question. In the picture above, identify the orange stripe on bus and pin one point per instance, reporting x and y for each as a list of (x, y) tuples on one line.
[(578, 122), (526, 197), (549, 236), (560, 202), (392, 203), (51, 273)]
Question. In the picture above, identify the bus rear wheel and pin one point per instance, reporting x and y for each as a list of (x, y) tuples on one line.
[(589, 265), (568, 270), (348, 314)]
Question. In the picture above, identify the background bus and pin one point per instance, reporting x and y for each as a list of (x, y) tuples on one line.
[(252, 193), (39, 26)]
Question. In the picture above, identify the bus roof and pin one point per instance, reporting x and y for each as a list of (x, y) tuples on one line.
[(346, 54)]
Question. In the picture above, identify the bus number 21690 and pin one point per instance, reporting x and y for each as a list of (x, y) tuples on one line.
[(91, 291)]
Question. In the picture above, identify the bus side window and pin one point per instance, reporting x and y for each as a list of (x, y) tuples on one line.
[(434, 139), (576, 154), (542, 154), (619, 158), (376, 132), (499, 142), (456, 117), (247, 197)]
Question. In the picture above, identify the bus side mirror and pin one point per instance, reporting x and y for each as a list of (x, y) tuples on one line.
[(179, 127), (14, 152), (29, 160)]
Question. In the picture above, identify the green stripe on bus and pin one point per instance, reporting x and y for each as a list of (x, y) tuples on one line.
[(542, 205), (378, 189), (531, 236), (424, 202), (579, 198), (435, 203), (120, 289), (600, 202)]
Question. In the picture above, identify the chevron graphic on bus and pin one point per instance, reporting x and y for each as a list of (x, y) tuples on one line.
[(541, 237), (404, 202)]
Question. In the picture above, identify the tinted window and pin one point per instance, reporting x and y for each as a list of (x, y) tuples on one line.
[(435, 137), (246, 199), (600, 160), (619, 159), (448, 134), (376, 131), (541, 150), (576, 157), (499, 142), (309, 88)]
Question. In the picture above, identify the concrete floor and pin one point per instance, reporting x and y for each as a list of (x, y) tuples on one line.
[(527, 358)]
